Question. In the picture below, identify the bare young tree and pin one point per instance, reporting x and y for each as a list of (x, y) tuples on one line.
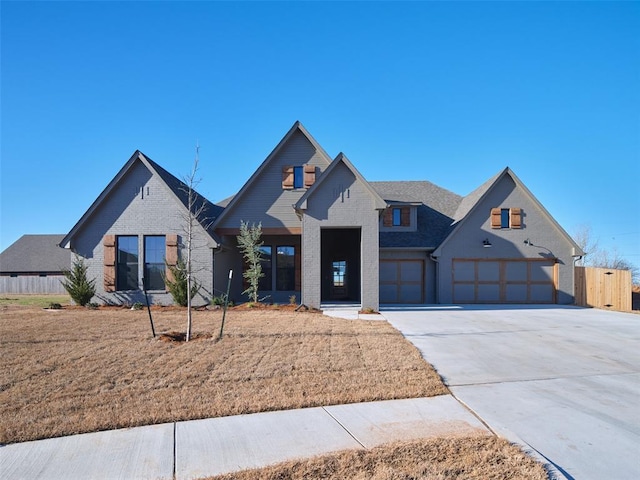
[(600, 257), (196, 211)]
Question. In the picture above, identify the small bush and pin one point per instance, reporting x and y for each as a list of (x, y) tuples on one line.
[(76, 283), (178, 285), (54, 306), (293, 300), (92, 306), (137, 306)]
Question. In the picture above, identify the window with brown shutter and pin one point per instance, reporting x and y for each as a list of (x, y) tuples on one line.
[(309, 175), (109, 271), (287, 178), (496, 218), (515, 215)]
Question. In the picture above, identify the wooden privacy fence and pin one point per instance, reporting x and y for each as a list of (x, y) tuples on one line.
[(32, 284), (605, 288)]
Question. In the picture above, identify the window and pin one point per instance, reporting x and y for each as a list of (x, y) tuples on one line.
[(285, 268), (506, 218), (397, 217), (154, 253), (298, 177), (266, 282), (127, 264), (339, 273)]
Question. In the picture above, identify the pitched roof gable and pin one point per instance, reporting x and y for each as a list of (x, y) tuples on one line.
[(175, 187), (471, 202), (301, 204), (246, 188), (35, 254)]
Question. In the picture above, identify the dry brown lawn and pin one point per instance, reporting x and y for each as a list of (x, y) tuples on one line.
[(79, 370), (470, 458)]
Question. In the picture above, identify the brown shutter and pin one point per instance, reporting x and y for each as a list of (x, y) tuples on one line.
[(515, 218), (495, 218), (171, 254), (309, 175), (387, 219), (287, 178), (109, 271), (298, 268), (405, 216)]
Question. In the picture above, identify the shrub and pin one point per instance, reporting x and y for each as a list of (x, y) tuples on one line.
[(92, 306), (137, 306), (293, 300), (55, 306), (177, 286), (76, 283)]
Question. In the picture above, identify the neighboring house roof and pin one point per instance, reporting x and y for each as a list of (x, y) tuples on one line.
[(435, 212), (175, 187), (475, 198), (230, 202), (35, 254), (379, 202)]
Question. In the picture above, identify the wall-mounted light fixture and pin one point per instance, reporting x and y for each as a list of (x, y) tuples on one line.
[(486, 243), (528, 242)]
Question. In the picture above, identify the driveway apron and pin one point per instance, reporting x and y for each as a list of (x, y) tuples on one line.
[(563, 381)]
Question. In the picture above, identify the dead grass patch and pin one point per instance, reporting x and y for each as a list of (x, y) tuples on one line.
[(471, 458), (79, 370)]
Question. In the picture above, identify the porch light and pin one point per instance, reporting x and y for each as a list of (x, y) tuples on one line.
[(486, 243)]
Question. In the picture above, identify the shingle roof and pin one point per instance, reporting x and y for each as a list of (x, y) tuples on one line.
[(210, 211), (435, 214), (35, 254)]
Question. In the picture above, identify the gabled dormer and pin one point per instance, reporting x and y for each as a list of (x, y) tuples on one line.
[(278, 183)]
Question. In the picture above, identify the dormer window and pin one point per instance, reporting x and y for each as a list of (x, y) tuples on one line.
[(397, 217)]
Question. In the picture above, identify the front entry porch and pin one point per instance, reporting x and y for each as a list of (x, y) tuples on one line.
[(340, 264)]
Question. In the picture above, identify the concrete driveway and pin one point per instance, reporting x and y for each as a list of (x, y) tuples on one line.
[(564, 381)]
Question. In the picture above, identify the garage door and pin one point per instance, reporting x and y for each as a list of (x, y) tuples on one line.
[(504, 281), (401, 281)]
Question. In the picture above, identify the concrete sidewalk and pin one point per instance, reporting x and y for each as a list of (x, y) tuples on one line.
[(200, 448)]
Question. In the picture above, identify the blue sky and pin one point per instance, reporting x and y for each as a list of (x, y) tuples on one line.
[(450, 92)]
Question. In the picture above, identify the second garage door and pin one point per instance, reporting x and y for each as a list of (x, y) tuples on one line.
[(401, 281), (504, 281)]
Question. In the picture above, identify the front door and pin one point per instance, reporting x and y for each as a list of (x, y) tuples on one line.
[(339, 289)]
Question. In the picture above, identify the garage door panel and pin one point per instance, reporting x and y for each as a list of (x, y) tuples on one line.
[(411, 294), (516, 293), (464, 293), (541, 293), (489, 271), (516, 271), (488, 293), (411, 272), (389, 294), (464, 271), (541, 273)]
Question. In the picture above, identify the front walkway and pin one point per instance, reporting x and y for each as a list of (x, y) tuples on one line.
[(200, 448)]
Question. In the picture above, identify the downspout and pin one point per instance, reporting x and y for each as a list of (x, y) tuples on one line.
[(437, 263)]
